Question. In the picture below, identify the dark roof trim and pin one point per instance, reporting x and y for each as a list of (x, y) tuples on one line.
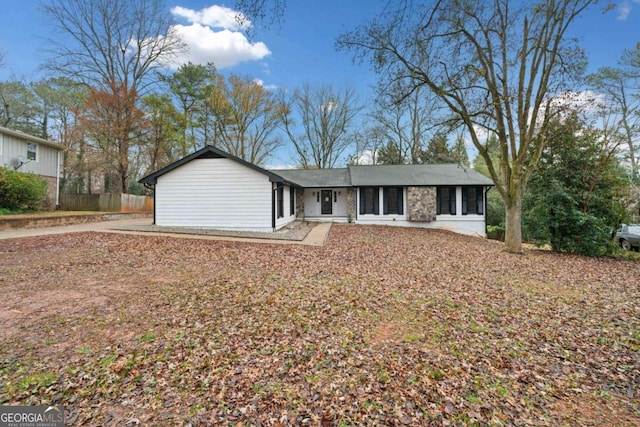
[(209, 152)]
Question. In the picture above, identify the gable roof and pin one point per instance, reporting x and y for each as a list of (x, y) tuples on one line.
[(352, 176), (415, 175), (30, 138), (209, 152), (317, 178)]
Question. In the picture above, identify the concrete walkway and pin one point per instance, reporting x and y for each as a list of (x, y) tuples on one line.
[(316, 237)]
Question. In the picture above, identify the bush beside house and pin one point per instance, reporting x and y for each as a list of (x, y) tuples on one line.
[(21, 191)]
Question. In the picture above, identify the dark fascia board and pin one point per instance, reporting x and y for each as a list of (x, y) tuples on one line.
[(210, 151)]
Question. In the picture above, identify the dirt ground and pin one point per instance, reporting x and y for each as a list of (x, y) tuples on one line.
[(381, 326)]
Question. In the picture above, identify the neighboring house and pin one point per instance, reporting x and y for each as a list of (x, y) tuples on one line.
[(26, 153), (211, 188)]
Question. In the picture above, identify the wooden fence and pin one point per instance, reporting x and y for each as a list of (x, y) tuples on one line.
[(106, 202)]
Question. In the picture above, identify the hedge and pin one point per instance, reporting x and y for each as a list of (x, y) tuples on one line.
[(21, 191)]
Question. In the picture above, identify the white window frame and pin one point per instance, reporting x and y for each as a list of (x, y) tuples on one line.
[(35, 152)]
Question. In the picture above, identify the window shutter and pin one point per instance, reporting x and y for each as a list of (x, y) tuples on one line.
[(480, 200), (400, 201), (465, 200), (280, 201), (452, 200), (376, 201), (438, 201), (362, 200), (385, 201)]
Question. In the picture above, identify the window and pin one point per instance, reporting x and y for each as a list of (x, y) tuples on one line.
[(393, 201), (369, 201), (472, 201), (32, 150), (292, 201), (446, 203), (280, 201)]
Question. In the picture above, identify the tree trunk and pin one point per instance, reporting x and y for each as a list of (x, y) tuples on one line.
[(513, 224)]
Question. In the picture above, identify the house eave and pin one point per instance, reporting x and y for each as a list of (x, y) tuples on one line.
[(210, 151), (30, 138)]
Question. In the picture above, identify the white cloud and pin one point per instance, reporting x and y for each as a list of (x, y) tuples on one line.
[(368, 157), (585, 102), (213, 16), (267, 87), (214, 35), (280, 166), (625, 8)]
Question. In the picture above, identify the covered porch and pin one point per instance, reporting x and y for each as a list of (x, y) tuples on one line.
[(326, 204)]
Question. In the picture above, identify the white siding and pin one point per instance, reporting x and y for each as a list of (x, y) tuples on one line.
[(381, 218), (289, 216), (313, 206), (469, 225), (473, 225), (215, 193), (12, 147)]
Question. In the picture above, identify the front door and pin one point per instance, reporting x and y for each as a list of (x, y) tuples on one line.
[(327, 204)]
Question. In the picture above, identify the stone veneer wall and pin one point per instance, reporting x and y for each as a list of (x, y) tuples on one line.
[(50, 203), (421, 204), (351, 203), (300, 203)]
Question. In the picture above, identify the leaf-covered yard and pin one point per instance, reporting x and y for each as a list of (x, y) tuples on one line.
[(382, 326)]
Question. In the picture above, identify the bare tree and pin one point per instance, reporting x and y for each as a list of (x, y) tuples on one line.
[(621, 87), (406, 122), (367, 145), (267, 11), (619, 110), (496, 64), (246, 118), (107, 43), (317, 122), (112, 46)]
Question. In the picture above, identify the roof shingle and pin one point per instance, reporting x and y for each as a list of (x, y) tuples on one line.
[(316, 178), (415, 175)]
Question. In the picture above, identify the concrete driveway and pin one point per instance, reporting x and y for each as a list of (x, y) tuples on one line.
[(316, 237), (75, 228)]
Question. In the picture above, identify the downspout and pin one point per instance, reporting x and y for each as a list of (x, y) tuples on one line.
[(152, 187), (58, 179), (273, 207), (486, 209)]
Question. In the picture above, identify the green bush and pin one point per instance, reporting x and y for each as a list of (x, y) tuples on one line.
[(21, 191), (495, 232)]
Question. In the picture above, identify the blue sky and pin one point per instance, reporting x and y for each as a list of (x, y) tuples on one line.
[(299, 50)]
